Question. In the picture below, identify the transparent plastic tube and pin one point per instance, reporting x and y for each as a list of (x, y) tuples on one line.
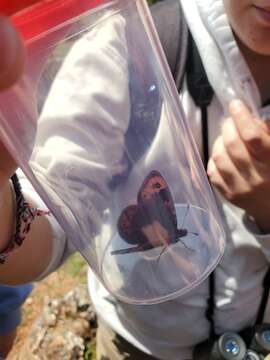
[(97, 127)]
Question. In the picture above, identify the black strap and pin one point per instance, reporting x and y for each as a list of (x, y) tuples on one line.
[(210, 311), (211, 300), (197, 80), (265, 296), (172, 29), (202, 94), (205, 140)]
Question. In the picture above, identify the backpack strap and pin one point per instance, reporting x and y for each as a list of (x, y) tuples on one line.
[(178, 45), (197, 82), (202, 94), (173, 35)]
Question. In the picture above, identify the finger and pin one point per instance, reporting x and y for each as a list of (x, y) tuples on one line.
[(255, 138), (223, 163), (238, 153), (216, 179), (237, 193), (12, 54)]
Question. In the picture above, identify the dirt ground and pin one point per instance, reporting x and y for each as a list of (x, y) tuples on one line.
[(56, 285)]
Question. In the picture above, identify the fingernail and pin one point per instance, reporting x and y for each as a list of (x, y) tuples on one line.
[(11, 50), (236, 105)]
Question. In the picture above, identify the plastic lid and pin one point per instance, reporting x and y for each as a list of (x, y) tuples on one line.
[(33, 17)]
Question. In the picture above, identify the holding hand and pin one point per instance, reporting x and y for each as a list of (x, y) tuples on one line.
[(12, 54), (11, 67), (240, 163)]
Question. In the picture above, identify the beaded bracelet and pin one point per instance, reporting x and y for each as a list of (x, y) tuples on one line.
[(25, 215)]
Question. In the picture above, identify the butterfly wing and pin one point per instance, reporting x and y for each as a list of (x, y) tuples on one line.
[(153, 221), (130, 232), (126, 224), (153, 185)]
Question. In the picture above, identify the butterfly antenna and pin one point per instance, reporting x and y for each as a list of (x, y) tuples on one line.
[(185, 216), (186, 245), (162, 252)]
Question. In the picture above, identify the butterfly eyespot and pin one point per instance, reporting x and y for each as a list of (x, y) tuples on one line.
[(157, 186)]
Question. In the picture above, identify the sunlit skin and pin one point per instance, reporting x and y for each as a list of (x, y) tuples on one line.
[(39, 241), (11, 67), (12, 54), (250, 21), (16, 271), (239, 166), (6, 343)]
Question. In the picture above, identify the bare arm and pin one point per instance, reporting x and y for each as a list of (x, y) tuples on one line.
[(32, 258), (27, 262)]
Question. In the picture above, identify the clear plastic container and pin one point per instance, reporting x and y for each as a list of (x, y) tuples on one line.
[(97, 127)]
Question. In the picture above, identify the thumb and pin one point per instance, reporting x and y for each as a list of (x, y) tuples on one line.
[(12, 54)]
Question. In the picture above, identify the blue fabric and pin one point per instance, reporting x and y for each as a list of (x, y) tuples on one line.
[(11, 299)]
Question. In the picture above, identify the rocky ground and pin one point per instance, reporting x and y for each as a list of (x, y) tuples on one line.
[(58, 319)]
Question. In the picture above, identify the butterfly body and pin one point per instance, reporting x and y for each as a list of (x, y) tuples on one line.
[(152, 222)]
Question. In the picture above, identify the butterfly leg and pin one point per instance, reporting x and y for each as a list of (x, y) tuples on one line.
[(182, 242), (184, 218)]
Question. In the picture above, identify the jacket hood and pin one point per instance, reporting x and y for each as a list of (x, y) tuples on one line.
[(225, 66)]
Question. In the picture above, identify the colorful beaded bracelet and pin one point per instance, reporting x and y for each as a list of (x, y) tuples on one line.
[(25, 215)]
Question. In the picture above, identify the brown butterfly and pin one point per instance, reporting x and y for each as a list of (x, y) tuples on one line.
[(152, 222)]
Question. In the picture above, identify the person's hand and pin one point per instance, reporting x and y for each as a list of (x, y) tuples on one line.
[(11, 67), (239, 166), (12, 54), (39, 240)]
